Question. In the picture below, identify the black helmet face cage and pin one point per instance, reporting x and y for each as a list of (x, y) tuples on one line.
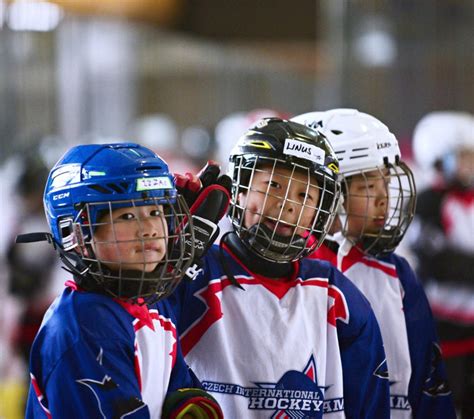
[(272, 232), (136, 249), (379, 205)]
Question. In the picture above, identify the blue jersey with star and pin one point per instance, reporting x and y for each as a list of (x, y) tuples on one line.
[(95, 357)]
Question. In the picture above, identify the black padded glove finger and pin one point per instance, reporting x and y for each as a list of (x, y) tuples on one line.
[(208, 197)]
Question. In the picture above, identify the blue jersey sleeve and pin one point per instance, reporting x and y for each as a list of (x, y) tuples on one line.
[(83, 362), (366, 381), (92, 379), (429, 393)]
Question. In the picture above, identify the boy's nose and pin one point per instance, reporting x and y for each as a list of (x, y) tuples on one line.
[(287, 205), (382, 199), (149, 228)]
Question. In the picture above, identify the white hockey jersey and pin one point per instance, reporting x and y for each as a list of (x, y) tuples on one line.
[(417, 379), (299, 347)]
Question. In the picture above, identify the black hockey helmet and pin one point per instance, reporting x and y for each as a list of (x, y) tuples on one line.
[(273, 143)]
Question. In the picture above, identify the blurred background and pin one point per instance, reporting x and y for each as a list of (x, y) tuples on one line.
[(186, 78)]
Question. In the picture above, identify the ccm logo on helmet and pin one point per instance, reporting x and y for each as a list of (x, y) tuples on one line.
[(380, 146), (61, 196), (304, 151)]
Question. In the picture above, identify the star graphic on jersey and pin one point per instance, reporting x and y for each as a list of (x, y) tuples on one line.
[(302, 381), (109, 402), (382, 371)]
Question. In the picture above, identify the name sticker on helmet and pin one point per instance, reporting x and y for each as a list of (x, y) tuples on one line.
[(304, 150), (151, 183)]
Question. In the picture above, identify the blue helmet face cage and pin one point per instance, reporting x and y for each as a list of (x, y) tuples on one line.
[(118, 222), (380, 232), (137, 248), (264, 235)]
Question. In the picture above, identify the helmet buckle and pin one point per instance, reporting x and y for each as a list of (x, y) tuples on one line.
[(71, 234)]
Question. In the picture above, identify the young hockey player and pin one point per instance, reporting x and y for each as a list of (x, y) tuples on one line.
[(108, 345), (378, 205), (442, 240), (272, 334)]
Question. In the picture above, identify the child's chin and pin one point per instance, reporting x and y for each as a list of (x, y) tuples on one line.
[(150, 267), (140, 267)]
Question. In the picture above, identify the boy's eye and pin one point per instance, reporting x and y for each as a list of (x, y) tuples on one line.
[(306, 196), (127, 216), (369, 185), (155, 213), (274, 184)]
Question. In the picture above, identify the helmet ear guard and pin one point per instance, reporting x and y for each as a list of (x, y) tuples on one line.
[(71, 234)]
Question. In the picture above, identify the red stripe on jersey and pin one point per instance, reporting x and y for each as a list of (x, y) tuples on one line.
[(140, 312), (279, 289), (144, 317), (39, 395), (374, 263), (294, 274), (355, 256), (338, 310), (280, 286), (214, 308), (168, 326), (212, 314)]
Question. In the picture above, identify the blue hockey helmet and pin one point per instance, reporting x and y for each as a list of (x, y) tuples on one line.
[(83, 189)]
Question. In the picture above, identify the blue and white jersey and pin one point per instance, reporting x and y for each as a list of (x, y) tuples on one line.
[(95, 357), (417, 378), (304, 346)]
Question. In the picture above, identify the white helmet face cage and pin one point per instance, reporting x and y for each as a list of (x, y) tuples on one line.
[(279, 227), (136, 249), (379, 205)]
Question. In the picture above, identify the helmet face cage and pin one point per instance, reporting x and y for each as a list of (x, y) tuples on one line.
[(376, 218), (118, 222), (264, 235), (142, 257)]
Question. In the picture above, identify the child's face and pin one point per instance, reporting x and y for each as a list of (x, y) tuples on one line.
[(281, 201), (366, 203), (132, 238)]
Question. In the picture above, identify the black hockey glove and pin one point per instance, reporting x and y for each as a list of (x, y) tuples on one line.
[(191, 403), (207, 195)]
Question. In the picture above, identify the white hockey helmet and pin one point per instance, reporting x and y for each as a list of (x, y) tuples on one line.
[(364, 144), (360, 141), (439, 134)]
